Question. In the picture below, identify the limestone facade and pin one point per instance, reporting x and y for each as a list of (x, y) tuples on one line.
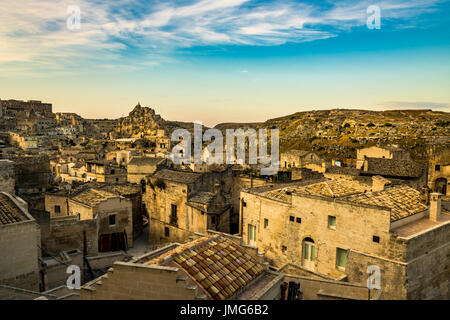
[(335, 236)]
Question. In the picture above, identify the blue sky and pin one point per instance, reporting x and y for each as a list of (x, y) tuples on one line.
[(226, 60)]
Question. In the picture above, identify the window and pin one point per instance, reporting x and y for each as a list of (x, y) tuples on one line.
[(166, 232), (376, 239), (332, 222), (341, 258), (298, 220), (309, 254), (113, 171), (57, 209), (266, 223), (283, 248), (173, 215), (437, 168), (112, 220), (251, 235), (213, 220), (292, 218)]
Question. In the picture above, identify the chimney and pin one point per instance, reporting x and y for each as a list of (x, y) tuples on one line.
[(379, 183), (435, 206)]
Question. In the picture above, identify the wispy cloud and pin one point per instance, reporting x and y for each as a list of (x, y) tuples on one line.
[(416, 105), (33, 34)]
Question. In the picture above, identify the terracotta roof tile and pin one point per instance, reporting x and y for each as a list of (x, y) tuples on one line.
[(334, 188), (9, 212), (403, 201), (218, 264)]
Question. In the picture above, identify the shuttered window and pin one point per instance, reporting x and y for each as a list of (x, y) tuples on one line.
[(341, 258)]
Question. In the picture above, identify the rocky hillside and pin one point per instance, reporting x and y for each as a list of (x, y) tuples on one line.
[(141, 121), (340, 132)]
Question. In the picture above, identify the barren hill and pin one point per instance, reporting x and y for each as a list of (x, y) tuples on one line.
[(339, 132)]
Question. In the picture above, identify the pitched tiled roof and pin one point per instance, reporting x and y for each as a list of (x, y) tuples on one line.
[(404, 201), (9, 212), (202, 197), (334, 188), (92, 197), (120, 189), (381, 179), (145, 161), (177, 176), (393, 168), (220, 266)]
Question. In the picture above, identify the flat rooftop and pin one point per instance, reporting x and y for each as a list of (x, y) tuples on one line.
[(424, 224)]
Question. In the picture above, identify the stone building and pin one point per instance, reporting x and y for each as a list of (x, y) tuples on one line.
[(132, 192), (181, 203), (58, 203), (439, 172), (140, 167), (389, 152), (122, 157), (113, 214), (32, 174), (18, 106), (341, 227), (7, 176), (216, 267), (105, 171), (302, 159), (19, 244)]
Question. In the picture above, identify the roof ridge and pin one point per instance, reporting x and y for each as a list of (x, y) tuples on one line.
[(329, 188)]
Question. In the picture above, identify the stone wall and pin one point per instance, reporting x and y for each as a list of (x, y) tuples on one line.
[(67, 233), (428, 269), (393, 280), (19, 250), (32, 174), (122, 209), (52, 201), (129, 281), (321, 289), (7, 176), (159, 203), (282, 240)]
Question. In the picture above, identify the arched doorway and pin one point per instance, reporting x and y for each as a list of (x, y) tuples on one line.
[(309, 253), (440, 185)]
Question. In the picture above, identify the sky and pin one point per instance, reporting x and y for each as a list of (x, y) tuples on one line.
[(221, 61)]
